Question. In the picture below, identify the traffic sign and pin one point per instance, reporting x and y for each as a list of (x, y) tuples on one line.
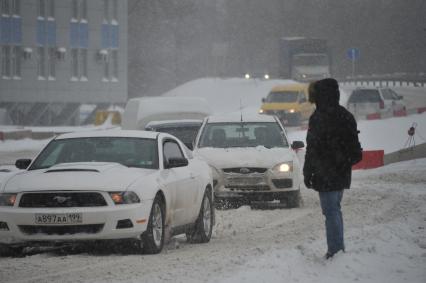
[(353, 54)]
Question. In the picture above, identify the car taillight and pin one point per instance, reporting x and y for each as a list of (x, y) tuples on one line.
[(382, 104)]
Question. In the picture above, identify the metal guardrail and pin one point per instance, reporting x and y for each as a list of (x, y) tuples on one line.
[(395, 80)]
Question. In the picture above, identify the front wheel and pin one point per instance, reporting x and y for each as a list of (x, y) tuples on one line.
[(204, 223), (153, 237)]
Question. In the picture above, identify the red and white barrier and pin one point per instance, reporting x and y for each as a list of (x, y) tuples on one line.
[(370, 159), (397, 113)]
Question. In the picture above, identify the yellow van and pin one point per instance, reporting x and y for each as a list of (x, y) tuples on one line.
[(289, 102)]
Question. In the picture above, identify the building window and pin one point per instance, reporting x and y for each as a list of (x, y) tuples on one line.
[(16, 7), (106, 11), (114, 65), (79, 40), (41, 9), (115, 10), (110, 40), (83, 64), (5, 7), (51, 63), (16, 62), (74, 6), (51, 9), (83, 10), (10, 36), (106, 69), (5, 59), (79, 64), (41, 63), (79, 10), (46, 40)]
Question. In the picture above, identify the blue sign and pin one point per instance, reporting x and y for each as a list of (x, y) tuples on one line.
[(353, 54)]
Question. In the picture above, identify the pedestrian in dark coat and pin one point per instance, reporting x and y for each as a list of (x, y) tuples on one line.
[(327, 167)]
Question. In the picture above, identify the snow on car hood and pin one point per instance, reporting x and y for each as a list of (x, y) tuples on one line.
[(76, 176), (244, 157)]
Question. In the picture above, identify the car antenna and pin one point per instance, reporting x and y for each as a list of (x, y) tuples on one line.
[(241, 118), (241, 110)]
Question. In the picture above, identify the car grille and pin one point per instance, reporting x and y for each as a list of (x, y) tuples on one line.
[(61, 230), (282, 183), (61, 199), (245, 170)]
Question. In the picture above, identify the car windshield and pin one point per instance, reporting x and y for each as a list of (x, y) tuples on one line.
[(224, 135), (282, 96), (186, 134), (131, 152), (365, 96)]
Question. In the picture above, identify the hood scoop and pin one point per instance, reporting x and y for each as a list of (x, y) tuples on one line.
[(71, 170)]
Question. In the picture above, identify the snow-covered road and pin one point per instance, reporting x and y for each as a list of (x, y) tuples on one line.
[(385, 219)]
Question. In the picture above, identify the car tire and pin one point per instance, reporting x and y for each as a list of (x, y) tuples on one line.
[(153, 237), (203, 227), (292, 199)]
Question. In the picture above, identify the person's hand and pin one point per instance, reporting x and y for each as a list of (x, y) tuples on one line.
[(308, 181)]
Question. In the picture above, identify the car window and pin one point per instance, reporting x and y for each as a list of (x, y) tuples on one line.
[(234, 134), (172, 150), (387, 94), (186, 134), (282, 96), (131, 152), (365, 96)]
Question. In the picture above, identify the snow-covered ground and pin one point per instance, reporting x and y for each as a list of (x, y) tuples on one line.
[(385, 224), (384, 213)]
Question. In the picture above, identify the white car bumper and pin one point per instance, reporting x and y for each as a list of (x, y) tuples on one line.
[(97, 223)]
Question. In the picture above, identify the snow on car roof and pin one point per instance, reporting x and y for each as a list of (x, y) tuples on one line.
[(110, 133), (236, 117)]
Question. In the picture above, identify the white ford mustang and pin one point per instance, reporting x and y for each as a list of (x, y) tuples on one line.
[(104, 185)]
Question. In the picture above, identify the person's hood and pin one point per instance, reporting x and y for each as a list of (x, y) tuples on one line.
[(327, 94)]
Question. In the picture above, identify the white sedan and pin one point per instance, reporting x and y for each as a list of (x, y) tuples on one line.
[(105, 185), (251, 158)]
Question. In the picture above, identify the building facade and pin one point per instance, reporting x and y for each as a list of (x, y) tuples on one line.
[(57, 55)]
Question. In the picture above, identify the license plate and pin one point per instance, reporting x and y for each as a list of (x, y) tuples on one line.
[(241, 181), (65, 218)]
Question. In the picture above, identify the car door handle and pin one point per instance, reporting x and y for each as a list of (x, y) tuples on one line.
[(192, 176)]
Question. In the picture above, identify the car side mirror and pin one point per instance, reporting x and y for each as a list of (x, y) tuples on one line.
[(177, 162), (263, 100), (22, 163), (297, 145)]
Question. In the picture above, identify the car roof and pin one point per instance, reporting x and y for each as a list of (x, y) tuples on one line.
[(237, 117), (110, 133), (177, 123), (290, 87)]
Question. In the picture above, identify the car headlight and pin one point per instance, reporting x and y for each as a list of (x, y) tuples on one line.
[(284, 167), (7, 199), (261, 111), (291, 110), (124, 197)]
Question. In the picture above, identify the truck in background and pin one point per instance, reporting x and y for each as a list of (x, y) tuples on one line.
[(304, 59)]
